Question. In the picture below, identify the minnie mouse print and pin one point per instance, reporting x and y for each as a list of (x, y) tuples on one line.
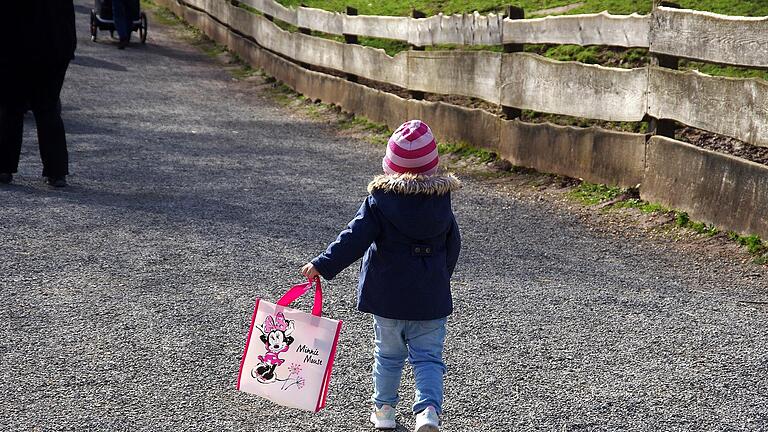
[(276, 336)]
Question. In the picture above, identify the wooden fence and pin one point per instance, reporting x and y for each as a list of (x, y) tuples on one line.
[(730, 106)]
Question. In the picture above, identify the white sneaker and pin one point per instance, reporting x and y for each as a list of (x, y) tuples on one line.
[(427, 421), (384, 417)]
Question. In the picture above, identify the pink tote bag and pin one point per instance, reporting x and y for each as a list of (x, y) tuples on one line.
[(289, 353)]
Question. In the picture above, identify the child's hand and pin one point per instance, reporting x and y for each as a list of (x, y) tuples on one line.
[(310, 271)]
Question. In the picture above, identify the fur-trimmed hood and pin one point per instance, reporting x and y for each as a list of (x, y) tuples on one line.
[(419, 206), (413, 184)]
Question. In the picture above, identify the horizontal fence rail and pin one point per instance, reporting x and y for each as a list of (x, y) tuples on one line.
[(736, 107), (575, 89), (739, 41), (588, 29)]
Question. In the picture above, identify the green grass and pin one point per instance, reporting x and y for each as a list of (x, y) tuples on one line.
[(761, 260), (726, 71), (192, 34), (162, 15), (377, 133), (463, 150), (729, 7), (364, 124), (245, 71), (390, 46), (606, 56), (283, 94), (573, 52), (755, 246), (249, 8), (591, 194), (641, 205), (753, 243), (682, 220), (540, 117)]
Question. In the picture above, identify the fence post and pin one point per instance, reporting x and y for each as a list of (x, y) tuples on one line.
[(512, 12), (304, 31), (417, 95), (656, 126), (351, 39)]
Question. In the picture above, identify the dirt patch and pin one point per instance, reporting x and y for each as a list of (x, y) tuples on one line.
[(723, 144)]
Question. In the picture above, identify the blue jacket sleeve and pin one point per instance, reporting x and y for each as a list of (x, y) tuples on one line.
[(351, 243), (453, 246)]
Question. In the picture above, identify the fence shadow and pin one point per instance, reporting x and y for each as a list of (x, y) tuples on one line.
[(92, 62), (84, 10)]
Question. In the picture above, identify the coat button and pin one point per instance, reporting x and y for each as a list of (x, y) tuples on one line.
[(428, 250), (417, 250)]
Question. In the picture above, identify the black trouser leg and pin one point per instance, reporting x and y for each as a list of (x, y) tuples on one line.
[(50, 128), (13, 104), (121, 13), (53, 144), (11, 131)]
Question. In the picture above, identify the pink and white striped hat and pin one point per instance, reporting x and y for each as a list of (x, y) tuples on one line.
[(411, 149)]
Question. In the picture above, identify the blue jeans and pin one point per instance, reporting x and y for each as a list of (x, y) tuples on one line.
[(122, 14), (421, 342)]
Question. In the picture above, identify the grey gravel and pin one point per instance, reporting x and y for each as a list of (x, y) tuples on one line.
[(126, 297)]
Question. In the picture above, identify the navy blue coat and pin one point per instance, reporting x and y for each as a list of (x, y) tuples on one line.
[(407, 235)]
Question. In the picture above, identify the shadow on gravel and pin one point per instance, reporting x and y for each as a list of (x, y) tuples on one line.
[(188, 208), (74, 126), (92, 62), (163, 51), (82, 10)]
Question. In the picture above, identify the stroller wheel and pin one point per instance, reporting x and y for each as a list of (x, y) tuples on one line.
[(94, 27), (143, 28)]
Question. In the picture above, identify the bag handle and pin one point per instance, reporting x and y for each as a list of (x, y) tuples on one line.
[(298, 290)]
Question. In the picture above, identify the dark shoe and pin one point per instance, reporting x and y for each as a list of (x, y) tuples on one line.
[(57, 182), (122, 44), (6, 178)]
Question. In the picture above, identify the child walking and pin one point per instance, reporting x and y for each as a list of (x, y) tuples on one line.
[(407, 235)]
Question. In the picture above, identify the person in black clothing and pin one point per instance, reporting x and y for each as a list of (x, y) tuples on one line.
[(37, 42)]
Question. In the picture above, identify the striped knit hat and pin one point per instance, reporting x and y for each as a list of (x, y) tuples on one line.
[(411, 149)]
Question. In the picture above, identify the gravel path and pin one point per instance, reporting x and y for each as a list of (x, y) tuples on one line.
[(126, 297)]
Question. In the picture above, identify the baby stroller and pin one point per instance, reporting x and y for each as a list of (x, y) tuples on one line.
[(101, 19)]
